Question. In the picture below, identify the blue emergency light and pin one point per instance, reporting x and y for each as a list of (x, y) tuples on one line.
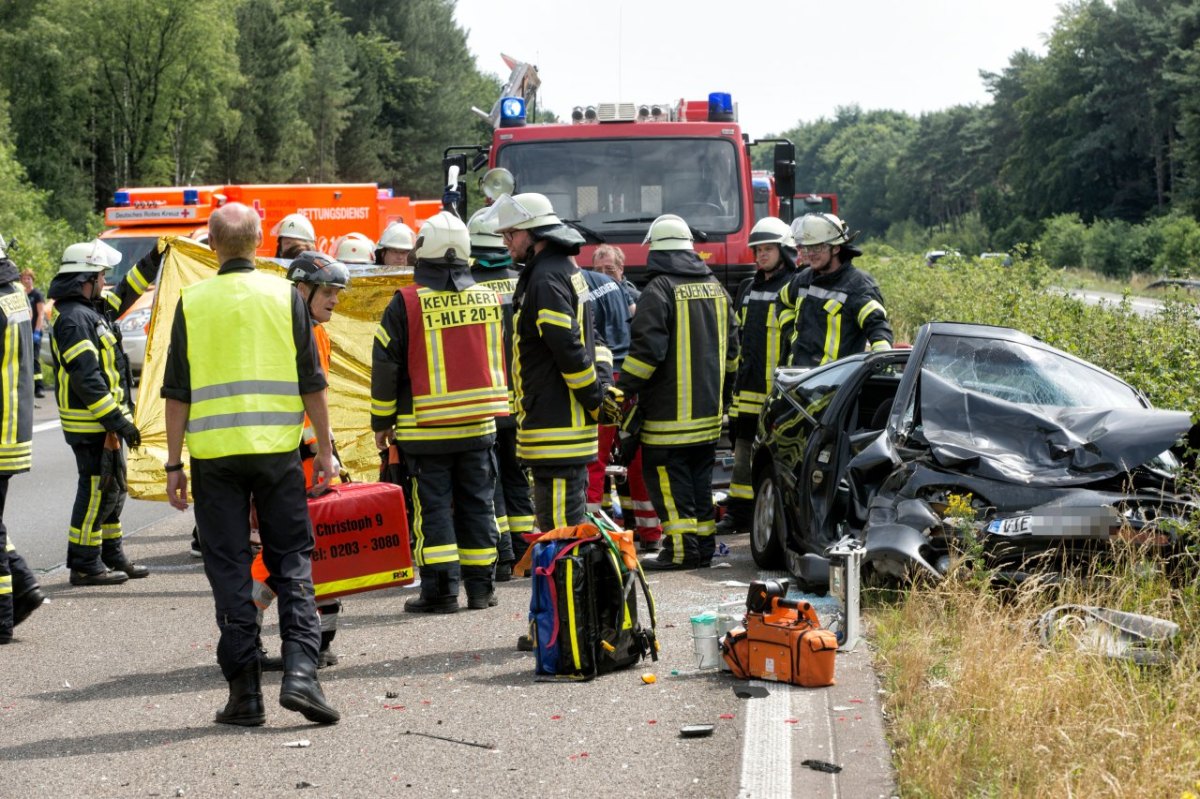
[(512, 112), (191, 197), (720, 107), (121, 199)]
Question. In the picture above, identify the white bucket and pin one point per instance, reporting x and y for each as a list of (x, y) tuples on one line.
[(704, 641), (729, 615)]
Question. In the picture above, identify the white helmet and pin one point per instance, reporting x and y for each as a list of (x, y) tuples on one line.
[(669, 232), (522, 212), (355, 248), (89, 256), (444, 239), (397, 236), (3, 248), (295, 226), (482, 228), (772, 230), (812, 229)]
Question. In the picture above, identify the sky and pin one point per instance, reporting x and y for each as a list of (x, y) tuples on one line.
[(784, 62)]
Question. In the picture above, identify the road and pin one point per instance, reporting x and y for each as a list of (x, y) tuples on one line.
[(38, 511), (1143, 306)]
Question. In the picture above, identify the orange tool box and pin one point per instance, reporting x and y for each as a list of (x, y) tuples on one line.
[(362, 544)]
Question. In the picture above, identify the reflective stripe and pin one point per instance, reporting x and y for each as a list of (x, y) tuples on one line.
[(78, 349), (383, 408), (880, 346), (225, 421), (833, 332), (477, 557), (548, 317), (740, 491), (362, 582), (238, 388), (826, 294), (136, 281), (581, 379), (382, 337), (638, 368), (871, 307)]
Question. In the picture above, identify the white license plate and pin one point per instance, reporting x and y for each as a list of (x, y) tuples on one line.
[(1016, 525)]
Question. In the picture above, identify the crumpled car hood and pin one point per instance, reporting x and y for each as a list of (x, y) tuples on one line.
[(982, 435)]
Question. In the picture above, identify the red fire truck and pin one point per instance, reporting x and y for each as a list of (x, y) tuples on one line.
[(615, 167)]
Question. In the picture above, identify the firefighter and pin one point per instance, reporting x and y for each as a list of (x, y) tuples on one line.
[(355, 249), (830, 309), (20, 594), (241, 374), (683, 350), (442, 413), (557, 387), (92, 389), (491, 266), (758, 356), (295, 235), (320, 280), (610, 260), (395, 246)]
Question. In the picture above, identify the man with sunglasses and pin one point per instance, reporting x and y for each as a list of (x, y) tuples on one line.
[(831, 309)]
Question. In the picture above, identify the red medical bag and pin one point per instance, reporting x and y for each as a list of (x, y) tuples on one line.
[(361, 533)]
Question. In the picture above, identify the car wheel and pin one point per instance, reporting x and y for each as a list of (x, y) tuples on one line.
[(769, 529)]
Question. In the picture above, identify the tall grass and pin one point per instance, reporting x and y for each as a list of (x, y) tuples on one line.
[(978, 707)]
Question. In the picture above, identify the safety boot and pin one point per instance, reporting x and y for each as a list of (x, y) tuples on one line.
[(301, 690), (439, 593), (504, 571), (481, 592), (26, 603), (245, 705), (113, 556), (87, 568)]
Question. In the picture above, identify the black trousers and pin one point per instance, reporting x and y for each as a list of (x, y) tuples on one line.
[(513, 499), (454, 520), (560, 496), (96, 514), (221, 488), (679, 481), (15, 575)]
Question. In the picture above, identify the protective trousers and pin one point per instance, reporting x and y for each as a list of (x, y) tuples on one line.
[(99, 500), (513, 501), (679, 480), (560, 496), (222, 488), (454, 520), (741, 493), (16, 578), (632, 491)]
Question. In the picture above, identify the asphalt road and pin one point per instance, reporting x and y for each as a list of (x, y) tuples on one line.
[(38, 511), (110, 692)]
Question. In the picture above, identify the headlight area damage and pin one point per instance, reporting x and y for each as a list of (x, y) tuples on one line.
[(1004, 455), (978, 442)]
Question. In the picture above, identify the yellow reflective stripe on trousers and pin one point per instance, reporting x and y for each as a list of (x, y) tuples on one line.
[(673, 526), (87, 534), (6, 584), (477, 557)]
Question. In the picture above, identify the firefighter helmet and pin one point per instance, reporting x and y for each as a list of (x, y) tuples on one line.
[(295, 226), (3, 248), (397, 236), (483, 231), (355, 248), (669, 232), (814, 229), (443, 239), (772, 230), (523, 212), (89, 256), (318, 269)]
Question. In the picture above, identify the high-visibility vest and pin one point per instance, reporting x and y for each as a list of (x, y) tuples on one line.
[(455, 355), (245, 395)]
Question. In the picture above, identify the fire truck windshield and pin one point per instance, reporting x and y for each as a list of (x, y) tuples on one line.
[(617, 187)]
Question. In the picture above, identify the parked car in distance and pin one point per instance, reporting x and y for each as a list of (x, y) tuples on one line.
[(1004, 258), (976, 432), (933, 256)]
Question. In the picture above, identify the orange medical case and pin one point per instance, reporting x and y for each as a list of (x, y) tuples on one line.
[(362, 543)]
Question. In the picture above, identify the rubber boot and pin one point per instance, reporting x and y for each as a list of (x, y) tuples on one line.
[(88, 569), (301, 690), (268, 661), (245, 705), (329, 617), (26, 603), (439, 593), (113, 556), (481, 593)]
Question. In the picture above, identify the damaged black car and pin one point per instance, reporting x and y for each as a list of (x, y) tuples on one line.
[(977, 432)]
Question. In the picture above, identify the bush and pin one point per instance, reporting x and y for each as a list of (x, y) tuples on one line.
[(1179, 252), (1063, 240)]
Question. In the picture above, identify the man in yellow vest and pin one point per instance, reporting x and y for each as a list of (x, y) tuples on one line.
[(437, 386), (241, 373)]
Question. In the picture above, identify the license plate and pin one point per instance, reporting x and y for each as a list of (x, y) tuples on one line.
[(1016, 525)]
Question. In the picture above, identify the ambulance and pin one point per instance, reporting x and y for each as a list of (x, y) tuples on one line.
[(139, 216)]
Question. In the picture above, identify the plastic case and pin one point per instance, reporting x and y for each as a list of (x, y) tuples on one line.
[(362, 542)]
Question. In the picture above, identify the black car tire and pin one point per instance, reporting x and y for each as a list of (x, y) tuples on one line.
[(769, 527)]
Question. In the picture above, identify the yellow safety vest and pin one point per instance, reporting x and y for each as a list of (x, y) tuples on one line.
[(245, 394)]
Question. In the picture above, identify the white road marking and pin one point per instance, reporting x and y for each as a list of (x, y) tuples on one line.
[(767, 760), (44, 426)]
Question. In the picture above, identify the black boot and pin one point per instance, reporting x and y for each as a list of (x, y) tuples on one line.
[(481, 593), (114, 558), (87, 568), (245, 705), (301, 690), (439, 593), (504, 571), (268, 661), (27, 603), (325, 655)]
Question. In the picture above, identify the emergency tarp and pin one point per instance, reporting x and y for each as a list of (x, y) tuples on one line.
[(351, 332)]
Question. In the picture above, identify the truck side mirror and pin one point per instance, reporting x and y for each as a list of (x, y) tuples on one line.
[(785, 177)]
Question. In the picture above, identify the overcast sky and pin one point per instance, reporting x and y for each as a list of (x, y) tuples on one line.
[(784, 62)]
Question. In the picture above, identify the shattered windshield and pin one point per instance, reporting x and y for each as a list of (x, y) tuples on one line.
[(1025, 375), (622, 185)]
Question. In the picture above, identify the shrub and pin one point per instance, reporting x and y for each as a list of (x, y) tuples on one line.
[(1062, 241)]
